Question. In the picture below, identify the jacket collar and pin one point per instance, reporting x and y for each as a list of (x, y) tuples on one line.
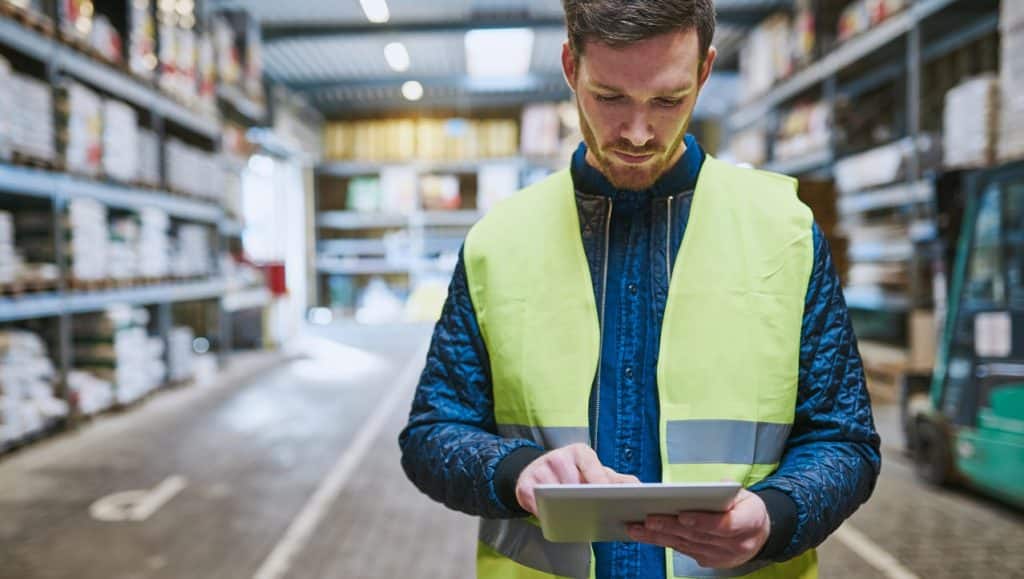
[(681, 177)]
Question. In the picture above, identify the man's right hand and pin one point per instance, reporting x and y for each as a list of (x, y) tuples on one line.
[(573, 464)]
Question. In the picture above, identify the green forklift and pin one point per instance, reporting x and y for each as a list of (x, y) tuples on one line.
[(964, 424)]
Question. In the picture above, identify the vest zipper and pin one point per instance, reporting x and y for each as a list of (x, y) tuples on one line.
[(668, 242), (604, 295)]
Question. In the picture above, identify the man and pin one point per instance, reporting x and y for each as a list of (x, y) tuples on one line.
[(651, 314)]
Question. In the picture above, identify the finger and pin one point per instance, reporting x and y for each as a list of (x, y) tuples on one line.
[(670, 525), (590, 468), (718, 524), (525, 496), (564, 468), (705, 555), (620, 478)]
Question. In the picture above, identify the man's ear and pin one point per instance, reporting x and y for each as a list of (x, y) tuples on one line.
[(569, 66), (709, 63)]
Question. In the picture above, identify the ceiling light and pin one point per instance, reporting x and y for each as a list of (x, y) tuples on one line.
[(397, 56), (375, 10), (501, 52), (412, 90)]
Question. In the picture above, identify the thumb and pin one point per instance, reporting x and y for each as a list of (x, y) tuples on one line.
[(620, 478)]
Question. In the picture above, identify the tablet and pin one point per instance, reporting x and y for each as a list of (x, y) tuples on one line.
[(582, 513)]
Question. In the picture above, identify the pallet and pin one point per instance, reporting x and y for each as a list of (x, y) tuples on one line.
[(91, 285), (24, 160), (884, 367), (20, 288), (28, 18), (47, 431)]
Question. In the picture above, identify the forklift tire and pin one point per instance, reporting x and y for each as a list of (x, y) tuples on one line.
[(933, 457)]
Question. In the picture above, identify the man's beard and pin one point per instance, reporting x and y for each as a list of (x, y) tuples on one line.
[(630, 177)]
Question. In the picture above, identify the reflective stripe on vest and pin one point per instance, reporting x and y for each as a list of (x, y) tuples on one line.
[(683, 566), (522, 541), (729, 358)]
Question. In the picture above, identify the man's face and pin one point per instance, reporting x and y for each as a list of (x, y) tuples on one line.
[(635, 103)]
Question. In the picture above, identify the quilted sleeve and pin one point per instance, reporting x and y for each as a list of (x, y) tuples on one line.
[(832, 457), (450, 449)]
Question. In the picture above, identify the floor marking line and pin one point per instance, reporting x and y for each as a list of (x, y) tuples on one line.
[(874, 555), (295, 538), (158, 497)]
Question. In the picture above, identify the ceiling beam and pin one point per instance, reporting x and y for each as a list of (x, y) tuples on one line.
[(278, 31), (461, 83)]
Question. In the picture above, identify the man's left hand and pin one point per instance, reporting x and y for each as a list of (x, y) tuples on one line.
[(715, 540)]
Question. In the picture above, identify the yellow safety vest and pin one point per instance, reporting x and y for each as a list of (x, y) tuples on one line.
[(727, 368)]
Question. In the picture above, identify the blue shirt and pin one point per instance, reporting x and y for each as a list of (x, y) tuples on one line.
[(631, 334)]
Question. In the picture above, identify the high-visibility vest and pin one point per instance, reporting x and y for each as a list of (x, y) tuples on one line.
[(727, 366)]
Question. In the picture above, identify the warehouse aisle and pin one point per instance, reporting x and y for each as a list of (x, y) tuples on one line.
[(263, 497), (250, 456)]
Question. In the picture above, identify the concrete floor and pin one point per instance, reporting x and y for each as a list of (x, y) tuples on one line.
[(282, 480)]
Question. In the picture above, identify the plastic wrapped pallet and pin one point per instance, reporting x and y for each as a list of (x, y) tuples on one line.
[(6, 109), (148, 158), (192, 252), (32, 128), (1011, 80), (89, 239), (27, 400), (154, 243), (8, 258), (123, 251), (94, 395), (84, 148), (142, 59), (120, 141), (115, 346), (180, 356), (969, 123)]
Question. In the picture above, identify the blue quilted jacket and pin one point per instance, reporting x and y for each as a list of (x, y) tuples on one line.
[(450, 449)]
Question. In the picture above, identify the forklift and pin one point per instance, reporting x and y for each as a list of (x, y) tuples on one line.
[(964, 423)]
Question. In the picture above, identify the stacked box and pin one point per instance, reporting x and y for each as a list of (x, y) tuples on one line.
[(253, 77), (89, 239), (765, 56), (422, 139), (31, 128), (9, 265), (94, 395), (191, 257), (105, 39), (142, 39), (83, 150), (122, 251), (180, 356), (120, 141), (28, 403), (6, 109), (76, 18), (207, 74), (969, 123), (154, 243), (148, 158), (194, 171), (229, 62), (804, 130), (1011, 80), (115, 346)]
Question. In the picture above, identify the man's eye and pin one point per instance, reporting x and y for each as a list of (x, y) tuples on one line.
[(608, 98), (669, 103)]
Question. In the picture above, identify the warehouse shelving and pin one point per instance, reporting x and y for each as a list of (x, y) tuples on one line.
[(58, 303), (354, 220), (358, 168), (51, 184), (847, 54), (899, 195), (364, 266)]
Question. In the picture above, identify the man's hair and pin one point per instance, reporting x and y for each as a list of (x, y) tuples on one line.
[(621, 22)]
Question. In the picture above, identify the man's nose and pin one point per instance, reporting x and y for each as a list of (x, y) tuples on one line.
[(638, 130)]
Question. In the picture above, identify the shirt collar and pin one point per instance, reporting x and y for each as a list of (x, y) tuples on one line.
[(681, 177)]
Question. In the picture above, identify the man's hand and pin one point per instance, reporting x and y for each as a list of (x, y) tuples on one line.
[(716, 540), (573, 464)]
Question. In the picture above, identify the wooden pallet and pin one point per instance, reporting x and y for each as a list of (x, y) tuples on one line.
[(28, 286), (91, 285), (28, 18), (24, 160)]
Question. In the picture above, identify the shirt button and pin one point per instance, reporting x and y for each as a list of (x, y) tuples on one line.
[(633, 289), (629, 372), (629, 454)]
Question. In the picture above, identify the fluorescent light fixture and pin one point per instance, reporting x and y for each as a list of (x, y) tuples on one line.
[(397, 56), (412, 90), (376, 10), (500, 52)]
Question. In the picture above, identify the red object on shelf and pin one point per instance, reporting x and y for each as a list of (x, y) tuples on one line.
[(274, 273)]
